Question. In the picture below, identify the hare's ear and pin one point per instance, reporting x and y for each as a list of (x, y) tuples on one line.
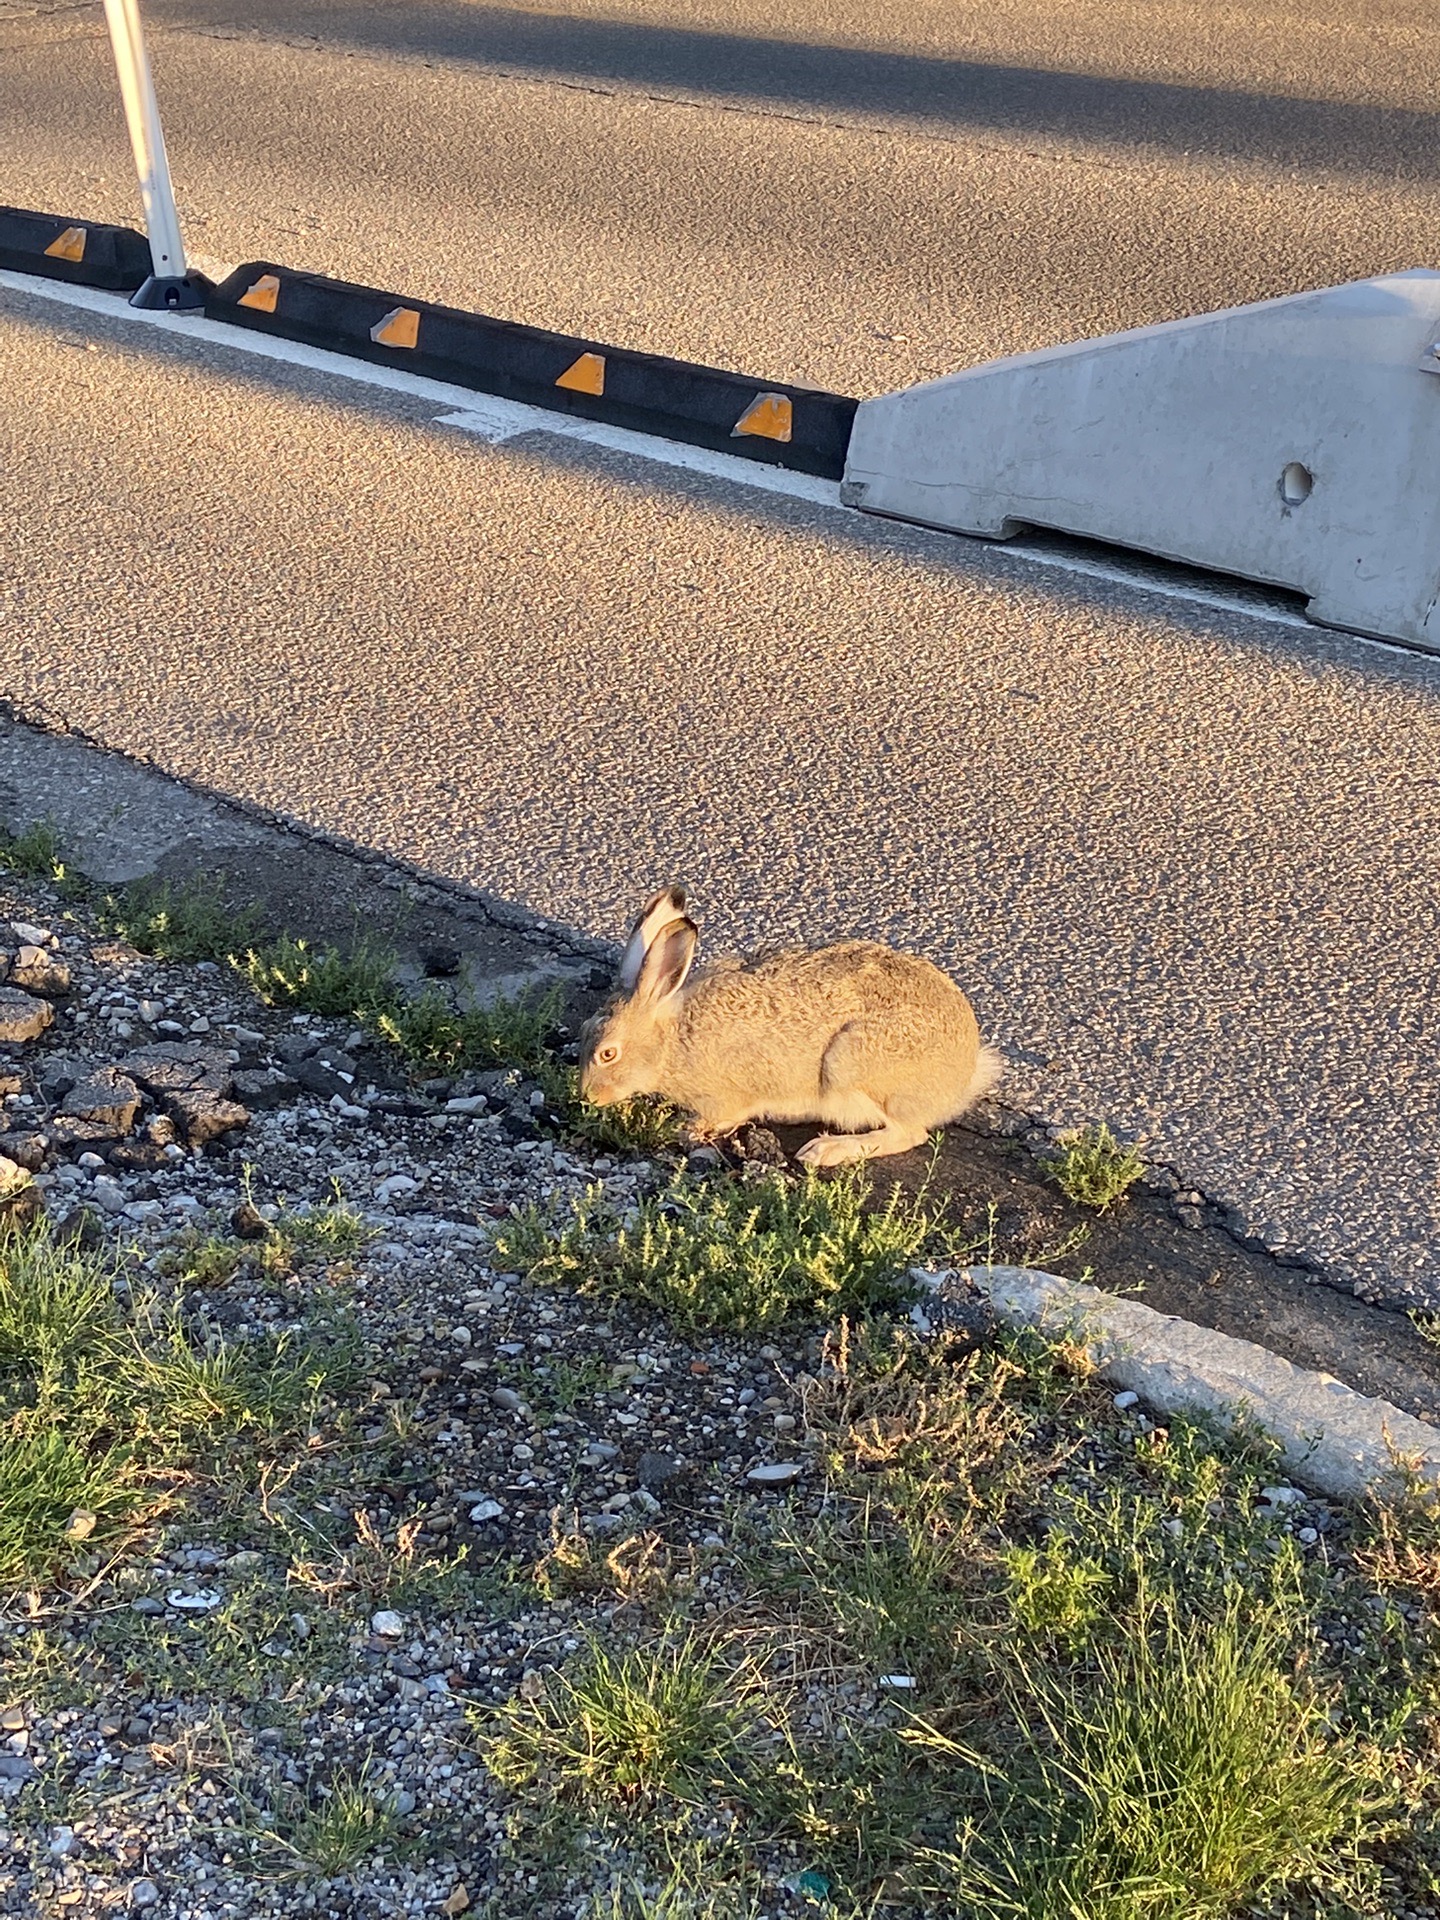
[(667, 961), (667, 905)]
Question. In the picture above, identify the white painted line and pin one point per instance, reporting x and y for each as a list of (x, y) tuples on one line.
[(1166, 589), (218, 333), (483, 416), (491, 418)]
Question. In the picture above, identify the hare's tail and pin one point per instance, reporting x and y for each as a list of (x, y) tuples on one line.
[(989, 1066)]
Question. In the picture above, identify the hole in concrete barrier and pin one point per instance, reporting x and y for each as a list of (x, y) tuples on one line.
[(1295, 484)]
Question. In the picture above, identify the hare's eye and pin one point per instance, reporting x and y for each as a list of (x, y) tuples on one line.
[(607, 1054)]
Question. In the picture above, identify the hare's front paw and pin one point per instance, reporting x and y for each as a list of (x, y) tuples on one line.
[(834, 1149)]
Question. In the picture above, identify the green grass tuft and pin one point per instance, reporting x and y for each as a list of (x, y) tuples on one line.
[(327, 1831), (611, 1729), (1092, 1168), (187, 922), (1185, 1774), (340, 985), (102, 1412), (508, 1032), (33, 854), (747, 1255)]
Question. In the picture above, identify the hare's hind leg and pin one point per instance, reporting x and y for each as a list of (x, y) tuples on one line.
[(880, 1129)]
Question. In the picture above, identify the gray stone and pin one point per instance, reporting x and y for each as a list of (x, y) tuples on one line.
[(193, 1083), (655, 1469), (27, 1150), (396, 1187), (22, 1016), (107, 1096), (144, 1893), (263, 1088), (36, 971), (316, 1077), (775, 1473)]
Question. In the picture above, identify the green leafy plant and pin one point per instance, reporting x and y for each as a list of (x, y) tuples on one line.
[(33, 853), (743, 1254), (1092, 1168), (185, 921)]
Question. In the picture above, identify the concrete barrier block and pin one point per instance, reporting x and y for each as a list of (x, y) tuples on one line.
[(1293, 442)]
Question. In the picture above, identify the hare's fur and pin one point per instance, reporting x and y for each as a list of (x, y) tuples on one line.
[(879, 1045)]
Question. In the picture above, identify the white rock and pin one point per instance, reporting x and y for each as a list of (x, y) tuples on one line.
[(1282, 1496), (387, 1624), (109, 1196), (471, 1103), (776, 1473), (92, 1161), (62, 1840), (200, 1024), (32, 936), (1124, 1401), (396, 1187), (486, 1510), (151, 1010), (204, 1601), (347, 1110), (1307, 1536), (898, 1682)]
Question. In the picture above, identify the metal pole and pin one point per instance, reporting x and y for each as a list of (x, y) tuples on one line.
[(169, 285)]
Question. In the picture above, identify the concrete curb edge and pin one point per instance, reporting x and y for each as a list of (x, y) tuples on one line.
[(1334, 1440)]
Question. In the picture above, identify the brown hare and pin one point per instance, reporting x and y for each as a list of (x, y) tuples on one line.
[(877, 1044)]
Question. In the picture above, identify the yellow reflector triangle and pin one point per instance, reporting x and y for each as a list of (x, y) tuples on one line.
[(69, 245), (263, 294), (585, 375), (398, 329), (768, 415)]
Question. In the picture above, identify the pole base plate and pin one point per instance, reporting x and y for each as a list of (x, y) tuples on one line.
[(173, 294)]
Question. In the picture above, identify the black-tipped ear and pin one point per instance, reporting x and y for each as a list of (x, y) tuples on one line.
[(667, 961), (659, 911)]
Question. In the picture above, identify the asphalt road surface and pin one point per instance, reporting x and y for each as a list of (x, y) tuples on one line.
[(1186, 861)]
